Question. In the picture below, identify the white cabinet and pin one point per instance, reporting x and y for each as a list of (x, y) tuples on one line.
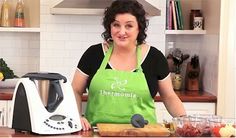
[(190, 107), (5, 106), (9, 106), (199, 108), (3, 112)]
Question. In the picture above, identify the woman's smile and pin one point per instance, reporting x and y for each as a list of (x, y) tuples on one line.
[(122, 38)]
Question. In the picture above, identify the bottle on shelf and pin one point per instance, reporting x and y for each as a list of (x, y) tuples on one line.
[(5, 14), (170, 47), (169, 56), (19, 14)]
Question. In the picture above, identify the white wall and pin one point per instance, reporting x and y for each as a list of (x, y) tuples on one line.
[(227, 73), (209, 50), (206, 46), (20, 51), (64, 38)]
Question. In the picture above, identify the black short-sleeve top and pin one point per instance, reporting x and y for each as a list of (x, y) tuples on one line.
[(154, 65)]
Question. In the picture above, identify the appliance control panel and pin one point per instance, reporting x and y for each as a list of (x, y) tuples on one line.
[(61, 123)]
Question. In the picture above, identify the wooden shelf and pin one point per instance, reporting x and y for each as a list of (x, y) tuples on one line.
[(15, 29), (189, 32)]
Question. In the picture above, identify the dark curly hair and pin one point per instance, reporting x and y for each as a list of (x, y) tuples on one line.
[(125, 6)]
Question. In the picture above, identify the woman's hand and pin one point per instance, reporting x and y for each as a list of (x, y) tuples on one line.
[(85, 124)]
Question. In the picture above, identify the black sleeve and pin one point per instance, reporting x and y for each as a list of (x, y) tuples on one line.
[(155, 67), (91, 60), (159, 63), (162, 66)]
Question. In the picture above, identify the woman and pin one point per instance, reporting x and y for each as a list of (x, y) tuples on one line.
[(123, 75)]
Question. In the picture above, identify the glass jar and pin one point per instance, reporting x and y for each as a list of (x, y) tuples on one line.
[(5, 14), (194, 13), (19, 14), (177, 81)]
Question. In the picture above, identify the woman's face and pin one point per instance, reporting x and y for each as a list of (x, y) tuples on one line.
[(124, 30)]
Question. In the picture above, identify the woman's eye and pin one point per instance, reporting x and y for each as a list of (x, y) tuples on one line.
[(129, 26), (116, 25)]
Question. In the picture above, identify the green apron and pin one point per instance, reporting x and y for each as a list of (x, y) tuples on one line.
[(114, 96)]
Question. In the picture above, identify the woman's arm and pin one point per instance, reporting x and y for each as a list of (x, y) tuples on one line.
[(79, 86), (172, 102)]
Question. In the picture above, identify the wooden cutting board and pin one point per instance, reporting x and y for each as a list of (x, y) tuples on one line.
[(117, 130)]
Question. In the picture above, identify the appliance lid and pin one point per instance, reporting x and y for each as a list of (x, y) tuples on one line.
[(94, 7)]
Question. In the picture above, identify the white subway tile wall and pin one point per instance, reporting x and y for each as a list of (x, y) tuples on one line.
[(206, 47), (64, 38), (20, 51), (209, 54)]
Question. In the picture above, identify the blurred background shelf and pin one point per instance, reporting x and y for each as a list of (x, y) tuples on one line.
[(15, 29), (202, 32)]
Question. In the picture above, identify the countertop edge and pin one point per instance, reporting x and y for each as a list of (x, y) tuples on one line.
[(185, 96)]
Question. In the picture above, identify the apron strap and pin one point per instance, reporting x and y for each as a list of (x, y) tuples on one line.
[(139, 59), (107, 57), (108, 54)]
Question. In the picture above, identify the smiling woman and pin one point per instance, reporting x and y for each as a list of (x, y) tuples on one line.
[(123, 76)]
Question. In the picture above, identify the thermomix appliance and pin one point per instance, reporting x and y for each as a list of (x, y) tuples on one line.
[(44, 103)]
